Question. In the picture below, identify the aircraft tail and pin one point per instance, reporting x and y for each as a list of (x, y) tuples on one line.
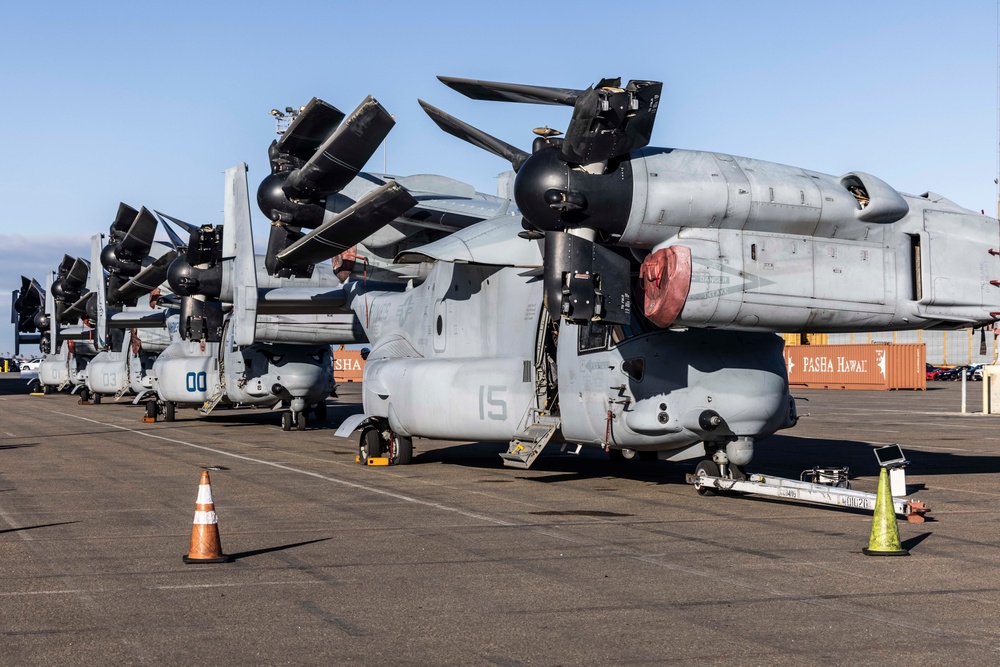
[(237, 243)]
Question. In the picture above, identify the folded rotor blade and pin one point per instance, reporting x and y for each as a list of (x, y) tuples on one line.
[(175, 240), (139, 237), (342, 155), (372, 212), (310, 129), (79, 307), (145, 282), (29, 295), (123, 219), (28, 303), (76, 275), (475, 136), (496, 91), (186, 226), (65, 266), (609, 122)]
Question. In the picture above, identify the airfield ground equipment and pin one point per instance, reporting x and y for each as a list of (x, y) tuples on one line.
[(830, 488)]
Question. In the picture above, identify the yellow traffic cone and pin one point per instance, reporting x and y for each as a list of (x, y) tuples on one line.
[(884, 540), (206, 547)]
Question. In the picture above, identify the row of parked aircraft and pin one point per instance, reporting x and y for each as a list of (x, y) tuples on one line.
[(612, 294)]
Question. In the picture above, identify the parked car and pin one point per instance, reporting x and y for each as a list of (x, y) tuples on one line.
[(955, 373), (30, 364), (933, 372), (975, 372)]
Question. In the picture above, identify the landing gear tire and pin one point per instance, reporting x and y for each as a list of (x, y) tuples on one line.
[(151, 410), (371, 444), (737, 472), (47, 389), (401, 451), (169, 410), (320, 412), (97, 399), (286, 421), (84, 396), (300, 421), (708, 469)]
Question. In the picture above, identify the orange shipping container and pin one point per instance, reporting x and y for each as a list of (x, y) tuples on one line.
[(348, 366), (868, 366)]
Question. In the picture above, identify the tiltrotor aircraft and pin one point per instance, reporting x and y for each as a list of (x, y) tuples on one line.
[(256, 330), (128, 335), (631, 304), (286, 306), (26, 303), (66, 339), (202, 366)]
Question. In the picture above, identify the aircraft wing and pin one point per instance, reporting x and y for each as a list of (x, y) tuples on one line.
[(493, 241), (301, 300)]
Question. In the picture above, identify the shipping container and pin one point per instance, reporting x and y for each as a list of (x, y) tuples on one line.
[(864, 366), (348, 366)]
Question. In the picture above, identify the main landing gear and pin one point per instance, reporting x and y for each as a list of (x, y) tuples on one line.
[(378, 441), (296, 420), (297, 414)]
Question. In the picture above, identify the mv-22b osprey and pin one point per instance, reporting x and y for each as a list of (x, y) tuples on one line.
[(663, 274)]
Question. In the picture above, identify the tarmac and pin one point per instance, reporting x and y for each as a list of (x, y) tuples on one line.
[(455, 559)]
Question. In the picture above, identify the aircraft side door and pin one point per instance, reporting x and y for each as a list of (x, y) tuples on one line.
[(590, 383)]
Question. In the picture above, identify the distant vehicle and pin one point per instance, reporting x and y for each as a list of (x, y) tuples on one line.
[(975, 372), (956, 372), (30, 364), (933, 372)]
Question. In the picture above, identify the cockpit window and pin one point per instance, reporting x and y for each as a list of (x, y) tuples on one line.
[(593, 337)]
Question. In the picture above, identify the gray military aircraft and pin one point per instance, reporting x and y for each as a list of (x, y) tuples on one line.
[(630, 305), (221, 351), (287, 306), (136, 266), (26, 303), (67, 340)]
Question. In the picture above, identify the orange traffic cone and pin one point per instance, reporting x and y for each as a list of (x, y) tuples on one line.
[(205, 544)]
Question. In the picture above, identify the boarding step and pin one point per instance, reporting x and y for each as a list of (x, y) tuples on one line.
[(210, 404), (529, 443), (121, 392)]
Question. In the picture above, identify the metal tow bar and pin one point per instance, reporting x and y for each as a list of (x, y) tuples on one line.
[(823, 494)]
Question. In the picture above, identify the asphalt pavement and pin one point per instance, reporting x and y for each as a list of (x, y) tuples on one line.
[(455, 559)]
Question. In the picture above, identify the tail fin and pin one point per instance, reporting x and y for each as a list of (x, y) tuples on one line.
[(237, 243)]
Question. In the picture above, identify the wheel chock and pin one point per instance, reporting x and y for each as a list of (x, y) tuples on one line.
[(149, 420), (378, 461), (357, 459)]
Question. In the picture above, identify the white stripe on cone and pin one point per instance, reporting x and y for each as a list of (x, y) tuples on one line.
[(205, 518), (204, 494)]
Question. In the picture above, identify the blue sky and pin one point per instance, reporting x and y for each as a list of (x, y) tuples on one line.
[(149, 103)]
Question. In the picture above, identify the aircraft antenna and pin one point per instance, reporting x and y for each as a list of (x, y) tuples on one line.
[(284, 118)]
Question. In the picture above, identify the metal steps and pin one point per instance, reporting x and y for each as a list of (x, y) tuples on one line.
[(210, 404), (529, 443)]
